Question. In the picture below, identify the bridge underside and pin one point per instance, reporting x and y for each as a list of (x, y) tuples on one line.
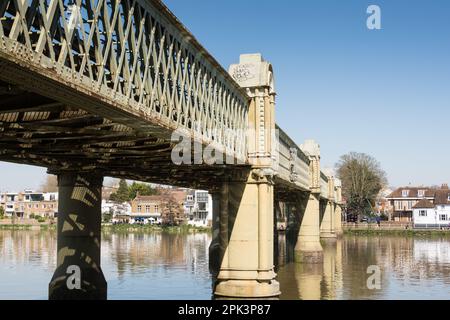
[(37, 130)]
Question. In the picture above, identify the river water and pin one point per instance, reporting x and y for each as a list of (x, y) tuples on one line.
[(175, 266)]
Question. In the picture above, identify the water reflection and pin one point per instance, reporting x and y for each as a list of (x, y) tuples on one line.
[(175, 266), (157, 266), (411, 268)]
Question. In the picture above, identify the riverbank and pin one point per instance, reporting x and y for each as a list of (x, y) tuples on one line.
[(126, 228), (153, 228), (404, 232), (25, 224), (18, 226)]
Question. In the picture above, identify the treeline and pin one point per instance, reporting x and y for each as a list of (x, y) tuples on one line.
[(127, 192)]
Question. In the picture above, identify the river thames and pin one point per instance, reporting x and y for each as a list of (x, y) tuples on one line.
[(175, 266)]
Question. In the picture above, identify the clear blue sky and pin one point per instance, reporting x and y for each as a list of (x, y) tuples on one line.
[(383, 92)]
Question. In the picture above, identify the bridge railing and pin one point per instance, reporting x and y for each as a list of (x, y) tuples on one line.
[(293, 164), (134, 52), (324, 190)]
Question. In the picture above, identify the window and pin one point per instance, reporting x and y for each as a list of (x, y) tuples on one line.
[(29, 206), (422, 213), (156, 208), (139, 208), (410, 205), (147, 208), (420, 193), (443, 217), (202, 196), (36, 206), (405, 193), (448, 197)]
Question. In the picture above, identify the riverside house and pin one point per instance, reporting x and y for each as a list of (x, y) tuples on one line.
[(146, 209), (28, 203), (150, 209), (198, 208), (404, 199), (433, 213)]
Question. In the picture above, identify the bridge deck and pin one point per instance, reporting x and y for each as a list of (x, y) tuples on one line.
[(103, 84)]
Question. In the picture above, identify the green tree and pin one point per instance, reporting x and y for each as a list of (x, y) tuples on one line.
[(107, 216), (362, 179), (2, 212), (143, 189), (122, 194)]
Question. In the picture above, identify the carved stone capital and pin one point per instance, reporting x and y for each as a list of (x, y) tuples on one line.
[(253, 71), (311, 149), (263, 175)]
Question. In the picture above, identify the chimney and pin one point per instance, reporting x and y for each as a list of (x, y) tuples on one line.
[(444, 186)]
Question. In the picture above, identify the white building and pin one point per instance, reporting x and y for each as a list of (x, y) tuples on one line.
[(117, 210), (50, 196), (199, 206), (434, 213), (9, 199)]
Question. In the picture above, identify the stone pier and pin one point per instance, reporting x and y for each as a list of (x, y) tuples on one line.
[(247, 196), (78, 274), (246, 239), (338, 208), (327, 225), (308, 248)]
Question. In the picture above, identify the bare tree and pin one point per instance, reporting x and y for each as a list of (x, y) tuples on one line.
[(362, 179), (172, 212), (50, 184)]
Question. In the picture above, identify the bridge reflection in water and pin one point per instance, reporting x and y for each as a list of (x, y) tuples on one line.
[(175, 266)]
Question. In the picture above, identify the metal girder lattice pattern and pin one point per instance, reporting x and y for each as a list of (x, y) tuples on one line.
[(134, 52)]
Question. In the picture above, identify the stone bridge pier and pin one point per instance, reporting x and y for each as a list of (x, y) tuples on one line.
[(328, 223), (78, 274), (246, 201), (246, 237), (320, 215), (308, 248)]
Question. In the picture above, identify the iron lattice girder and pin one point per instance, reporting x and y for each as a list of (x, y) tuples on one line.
[(127, 63), (64, 138), (131, 55)]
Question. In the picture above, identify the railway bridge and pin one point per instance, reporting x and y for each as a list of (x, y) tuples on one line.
[(95, 88)]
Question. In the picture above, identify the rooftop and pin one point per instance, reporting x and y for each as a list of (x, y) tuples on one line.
[(424, 204)]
